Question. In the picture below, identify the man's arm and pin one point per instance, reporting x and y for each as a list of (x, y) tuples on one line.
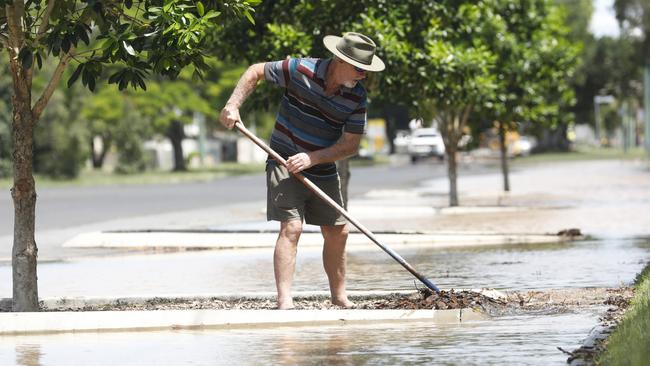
[(347, 146), (245, 86)]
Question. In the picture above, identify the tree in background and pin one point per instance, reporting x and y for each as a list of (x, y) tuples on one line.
[(534, 61), (168, 107), (103, 112), (440, 63), (614, 70), (608, 66), (634, 19), (634, 16), (113, 119), (129, 134), (162, 110), (137, 38), (578, 16), (458, 64)]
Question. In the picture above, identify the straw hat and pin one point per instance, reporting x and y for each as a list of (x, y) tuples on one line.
[(355, 49)]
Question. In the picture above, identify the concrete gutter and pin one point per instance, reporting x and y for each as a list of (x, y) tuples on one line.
[(229, 240)]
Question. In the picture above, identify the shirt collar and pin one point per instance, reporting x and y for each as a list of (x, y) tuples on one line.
[(321, 71)]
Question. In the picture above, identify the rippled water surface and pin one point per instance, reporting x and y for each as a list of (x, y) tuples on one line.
[(515, 267)]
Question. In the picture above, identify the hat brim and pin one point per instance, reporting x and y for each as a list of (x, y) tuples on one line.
[(376, 65)]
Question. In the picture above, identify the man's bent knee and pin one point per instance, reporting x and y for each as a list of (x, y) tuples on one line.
[(338, 232), (291, 230)]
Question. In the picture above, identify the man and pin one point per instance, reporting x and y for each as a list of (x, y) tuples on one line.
[(321, 119)]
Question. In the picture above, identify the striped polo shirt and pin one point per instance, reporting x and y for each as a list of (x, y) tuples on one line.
[(308, 120)]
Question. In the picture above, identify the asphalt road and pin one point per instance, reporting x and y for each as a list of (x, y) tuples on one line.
[(63, 207)]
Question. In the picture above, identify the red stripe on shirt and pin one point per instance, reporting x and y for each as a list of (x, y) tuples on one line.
[(285, 71), (305, 71)]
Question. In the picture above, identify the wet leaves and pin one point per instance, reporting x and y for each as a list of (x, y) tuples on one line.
[(427, 299), (618, 301), (571, 233), (491, 302), (418, 300)]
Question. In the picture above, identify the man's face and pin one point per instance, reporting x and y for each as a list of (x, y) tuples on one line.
[(352, 74)]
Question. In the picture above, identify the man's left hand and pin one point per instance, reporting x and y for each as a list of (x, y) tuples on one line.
[(299, 162)]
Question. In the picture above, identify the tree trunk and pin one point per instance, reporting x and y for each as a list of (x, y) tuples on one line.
[(343, 167), (452, 173), (24, 253), (504, 157), (25, 285), (451, 123), (176, 135)]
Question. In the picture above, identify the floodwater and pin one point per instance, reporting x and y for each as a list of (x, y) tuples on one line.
[(520, 340), (523, 339), (595, 263)]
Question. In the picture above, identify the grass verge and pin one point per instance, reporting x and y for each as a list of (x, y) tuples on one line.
[(630, 342), (584, 153)]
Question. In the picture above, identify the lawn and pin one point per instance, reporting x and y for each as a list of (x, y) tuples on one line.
[(630, 342), (584, 153)]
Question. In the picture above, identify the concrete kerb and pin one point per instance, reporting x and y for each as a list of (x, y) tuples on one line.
[(47, 322), (102, 321), (229, 240)]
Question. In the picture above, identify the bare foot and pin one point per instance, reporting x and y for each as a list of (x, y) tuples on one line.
[(344, 303), (285, 305)]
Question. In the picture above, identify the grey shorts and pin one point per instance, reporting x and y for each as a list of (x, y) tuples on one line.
[(289, 199)]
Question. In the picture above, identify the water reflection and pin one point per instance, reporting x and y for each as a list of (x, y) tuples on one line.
[(521, 340), (304, 348), (28, 354)]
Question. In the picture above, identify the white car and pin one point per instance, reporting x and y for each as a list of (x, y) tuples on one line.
[(426, 142), (522, 146)]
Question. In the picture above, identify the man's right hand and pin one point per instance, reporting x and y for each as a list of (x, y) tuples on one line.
[(229, 116)]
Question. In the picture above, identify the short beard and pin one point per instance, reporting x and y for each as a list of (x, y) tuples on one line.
[(350, 84)]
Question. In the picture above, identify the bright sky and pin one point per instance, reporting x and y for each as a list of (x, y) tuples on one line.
[(603, 20)]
